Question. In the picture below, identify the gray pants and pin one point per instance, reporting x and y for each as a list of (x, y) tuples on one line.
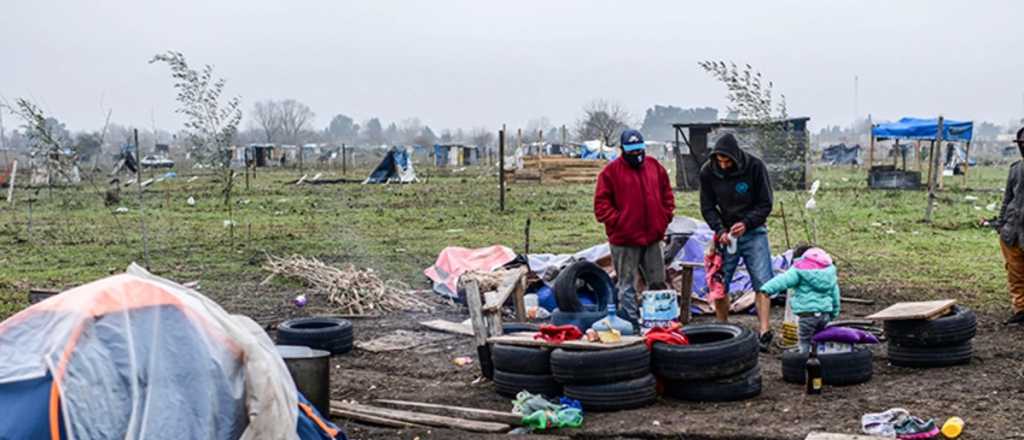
[(810, 324), (629, 260)]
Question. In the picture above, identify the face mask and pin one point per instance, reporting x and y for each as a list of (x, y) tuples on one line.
[(634, 160)]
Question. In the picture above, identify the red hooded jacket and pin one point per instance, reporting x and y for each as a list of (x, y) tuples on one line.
[(635, 204)]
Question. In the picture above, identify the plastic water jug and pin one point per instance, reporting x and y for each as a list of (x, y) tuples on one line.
[(613, 322)]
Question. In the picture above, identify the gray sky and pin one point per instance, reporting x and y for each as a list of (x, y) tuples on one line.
[(481, 63)]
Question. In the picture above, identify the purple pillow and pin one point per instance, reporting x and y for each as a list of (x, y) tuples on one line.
[(845, 335)]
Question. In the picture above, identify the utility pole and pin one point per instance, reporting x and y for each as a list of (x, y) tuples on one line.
[(933, 180), (501, 168)]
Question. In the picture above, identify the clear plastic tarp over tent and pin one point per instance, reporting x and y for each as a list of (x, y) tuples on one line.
[(925, 129)]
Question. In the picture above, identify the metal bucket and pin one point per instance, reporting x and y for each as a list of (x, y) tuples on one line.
[(311, 371)]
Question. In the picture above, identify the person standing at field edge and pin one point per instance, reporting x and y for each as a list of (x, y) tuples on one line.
[(735, 200), (1011, 233), (635, 203)]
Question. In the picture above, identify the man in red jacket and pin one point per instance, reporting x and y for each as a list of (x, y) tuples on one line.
[(634, 201)]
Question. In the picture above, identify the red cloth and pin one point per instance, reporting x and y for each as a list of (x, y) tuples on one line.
[(635, 204), (556, 334), (670, 335), (713, 271)]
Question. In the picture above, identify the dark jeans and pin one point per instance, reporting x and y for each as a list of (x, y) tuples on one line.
[(628, 261), (757, 257), (811, 324)]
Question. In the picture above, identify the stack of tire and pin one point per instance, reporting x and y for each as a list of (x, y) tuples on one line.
[(837, 369), (940, 342), (523, 369), (321, 333), (606, 380), (719, 365), (566, 287)]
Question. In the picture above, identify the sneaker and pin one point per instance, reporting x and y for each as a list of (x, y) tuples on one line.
[(1017, 318), (765, 341)]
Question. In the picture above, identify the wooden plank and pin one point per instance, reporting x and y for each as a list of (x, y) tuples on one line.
[(830, 436), (518, 300), (373, 420), (448, 326), (852, 300), (914, 310), (476, 314), (508, 285), (685, 294), (422, 418), (483, 415), (526, 340)]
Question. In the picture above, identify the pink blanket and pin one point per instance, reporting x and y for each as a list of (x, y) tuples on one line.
[(455, 261)]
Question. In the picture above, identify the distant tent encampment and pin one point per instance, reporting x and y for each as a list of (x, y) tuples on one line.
[(395, 167)]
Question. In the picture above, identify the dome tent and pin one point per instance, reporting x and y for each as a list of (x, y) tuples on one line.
[(137, 356)]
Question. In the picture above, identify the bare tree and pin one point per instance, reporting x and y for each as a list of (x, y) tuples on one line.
[(482, 137), (602, 120), (295, 118), (267, 118)]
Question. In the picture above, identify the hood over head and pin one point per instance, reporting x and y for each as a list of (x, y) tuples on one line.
[(728, 146)]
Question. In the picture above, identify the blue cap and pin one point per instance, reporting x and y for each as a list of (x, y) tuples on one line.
[(632, 140)]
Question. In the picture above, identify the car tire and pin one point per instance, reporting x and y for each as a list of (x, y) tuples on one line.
[(742, 386), (615, 396), (600, 366), (958, 326), (516, 327), (836, 368), (565, 286), (509, 384), (322, 333), (526, 360), (715, 351), (931, 357)]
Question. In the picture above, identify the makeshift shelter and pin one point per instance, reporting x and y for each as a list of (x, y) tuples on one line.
[(395, 167), (840, 154), (455, 155), (917, 130), (597, 150), (787, 159), (138, 356)]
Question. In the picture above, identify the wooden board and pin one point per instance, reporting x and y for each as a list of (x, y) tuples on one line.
[(508, 286), (483, 415), (828, 436), (373, 420), (421, 418), (448, 326), (914, 310), (526, 340)]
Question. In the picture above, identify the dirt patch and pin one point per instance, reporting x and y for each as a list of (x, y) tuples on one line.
[(988, 393)]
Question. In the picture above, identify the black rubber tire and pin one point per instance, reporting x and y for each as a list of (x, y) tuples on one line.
[(958, 326), (515, 327), (565, 291), (836, 368), (728, 389), (322, 333), (600, 366), (715, 351), (525, 360), (509, 384), (615, 396), (931, 357)]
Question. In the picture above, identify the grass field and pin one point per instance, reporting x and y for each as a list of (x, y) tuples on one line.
[(881, 243)]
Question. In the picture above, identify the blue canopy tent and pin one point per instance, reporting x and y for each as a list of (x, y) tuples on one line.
[(924, 129)]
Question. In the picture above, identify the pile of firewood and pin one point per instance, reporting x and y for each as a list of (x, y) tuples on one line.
[(355, 291)]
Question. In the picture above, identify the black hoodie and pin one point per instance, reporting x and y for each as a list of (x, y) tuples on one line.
[(741, 194)]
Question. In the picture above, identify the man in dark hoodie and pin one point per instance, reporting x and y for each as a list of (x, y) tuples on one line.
[(735, 200), (634, 200), (1011, 234)]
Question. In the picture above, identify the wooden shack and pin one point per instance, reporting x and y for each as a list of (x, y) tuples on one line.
[(558, 169)]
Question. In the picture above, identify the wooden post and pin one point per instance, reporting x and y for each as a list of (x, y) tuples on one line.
[(932, 184), (501, 168), (518, 300), (344, 160), (967, 162), (685, 294), (931, 152), (917, 155), (10, 185), (142, 205), (480, 330), (871, 149), (941, 165)]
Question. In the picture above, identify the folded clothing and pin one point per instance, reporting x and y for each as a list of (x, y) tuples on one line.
[(556, 334), (670, 335)]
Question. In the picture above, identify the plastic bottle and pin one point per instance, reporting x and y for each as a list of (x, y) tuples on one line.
[(613, 322), (814, 381), (953, 427)]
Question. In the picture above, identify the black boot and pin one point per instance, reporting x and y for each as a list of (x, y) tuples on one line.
[(1017, 318), (765, 341)]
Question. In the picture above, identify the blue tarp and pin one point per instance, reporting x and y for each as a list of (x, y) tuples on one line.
[(917, 128)]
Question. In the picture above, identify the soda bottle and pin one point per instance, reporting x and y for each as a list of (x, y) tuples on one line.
[(813, 366)]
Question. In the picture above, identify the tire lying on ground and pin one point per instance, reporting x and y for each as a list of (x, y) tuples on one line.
[(614, 396), (509, 384), (322, 333), (958, 326), (526, 360), (600, 366), (836, 368), (715, 351), (565, 286), (931, 357), (742, 386)]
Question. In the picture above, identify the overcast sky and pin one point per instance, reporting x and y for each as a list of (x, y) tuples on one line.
[(483, 63)]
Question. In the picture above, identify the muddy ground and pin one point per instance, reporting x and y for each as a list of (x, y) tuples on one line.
[(988, 393)]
